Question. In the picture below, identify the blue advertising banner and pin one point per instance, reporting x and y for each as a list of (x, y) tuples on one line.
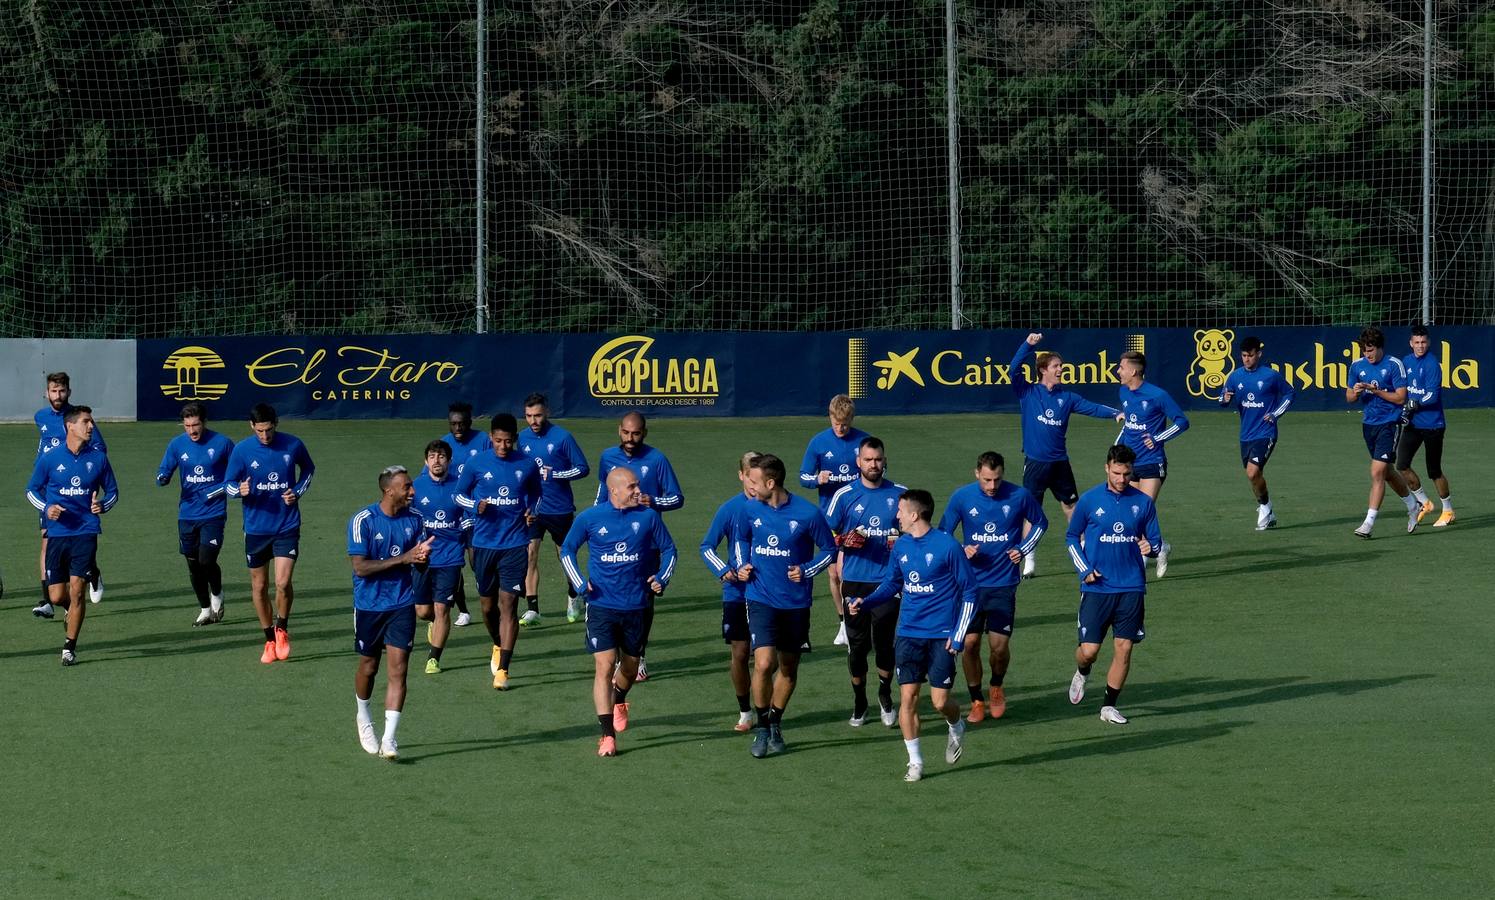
[(746, 374)]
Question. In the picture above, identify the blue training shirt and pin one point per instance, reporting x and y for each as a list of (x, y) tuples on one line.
[(1425, 388), (1150, 411), (938, 586), (993, 525), (443, 517), (376, 536), (774, 538), (202, 464), (718, 531), (560, 461), (1108, 524), (1256, 394), (834, 455), (52, 428), (656, 477), (271, 470), (874, 512), (463, 451), (1387, 375), (1045, 412), (625, 548), (67, 479), (511, 486)]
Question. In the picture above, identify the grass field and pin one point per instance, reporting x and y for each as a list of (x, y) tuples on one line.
[(1306, 714)]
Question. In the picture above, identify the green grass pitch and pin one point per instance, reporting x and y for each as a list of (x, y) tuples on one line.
[(1310, 714)]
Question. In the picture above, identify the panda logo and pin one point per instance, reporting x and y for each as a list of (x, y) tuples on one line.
[(1211, 362)]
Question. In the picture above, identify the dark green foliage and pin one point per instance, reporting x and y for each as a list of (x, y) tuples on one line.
[(266, 166)]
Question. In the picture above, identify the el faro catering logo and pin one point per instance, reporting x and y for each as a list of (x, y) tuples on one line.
[(353, 372), (622, 372), (188, 365)]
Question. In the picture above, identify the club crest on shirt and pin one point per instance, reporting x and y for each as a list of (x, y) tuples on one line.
[(635, 527), (929, 559)]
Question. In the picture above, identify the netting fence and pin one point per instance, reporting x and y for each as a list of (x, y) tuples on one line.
[(263, 166)]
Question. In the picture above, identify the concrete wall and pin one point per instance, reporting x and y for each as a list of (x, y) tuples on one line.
[(103, 374)]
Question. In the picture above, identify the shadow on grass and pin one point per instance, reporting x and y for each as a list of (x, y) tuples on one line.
[(1102, 745), (1149, 700)]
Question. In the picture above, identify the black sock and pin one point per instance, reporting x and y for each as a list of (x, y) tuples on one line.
[(859, 697), (70, 644), (534, 602), (270, 633), (1084, 670), (214, 574), (436, 653), (762, 716), (620, 695), (94, 577), (1111, 695), (1264, 499), (461, 603), (840, 617), (996, 680), (504, 658), (885, 690), (975, 690), (283, 623), (46, 595), (606, 721), (199, 583), (742, 703), (775, 715)]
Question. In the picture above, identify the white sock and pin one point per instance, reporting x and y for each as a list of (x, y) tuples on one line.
[(1421, 495), (1370, 516), (954, 724), (915, 758), (216, 602), (1447, 503), (364, 718), (1410, 502), (391, 722)]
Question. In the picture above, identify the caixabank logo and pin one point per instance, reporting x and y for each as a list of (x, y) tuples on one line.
[(932, 368), (190, 366), (626, 371)]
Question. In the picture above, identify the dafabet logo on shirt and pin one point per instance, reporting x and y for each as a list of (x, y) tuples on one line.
[(624, 371), (188, 365)]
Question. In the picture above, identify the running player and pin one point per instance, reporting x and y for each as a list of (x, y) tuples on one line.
[(1108, 541), (630, 557), (71, 485), (438, 583), (1261, 396), (864, 518), (657, 482), (1150, 419), (734, 596), (1002, 523), (1379, 384), (385, 541), (830, 463), (465, 443), (202, 456), (52, 431), (1045, 406), (1424, 425), (501, 489), (270, 474), (777, 535), (561, 462), (939, 602)]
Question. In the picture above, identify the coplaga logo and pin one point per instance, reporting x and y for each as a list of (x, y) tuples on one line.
[(188, 364), (623, 372), (1211, 365)]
